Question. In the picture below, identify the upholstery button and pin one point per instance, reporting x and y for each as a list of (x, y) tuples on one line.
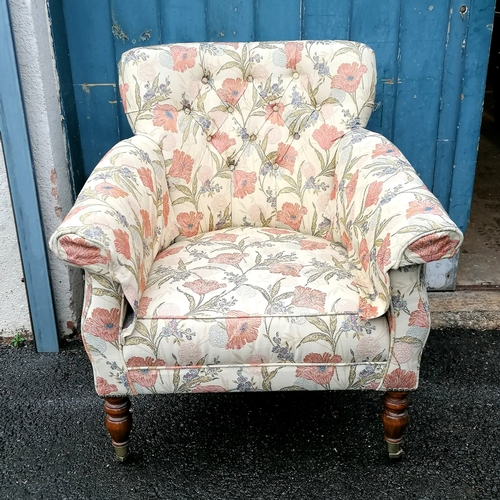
[(204, 80), (295, 75), (276, 108), (187, 110), (209, 138), (232, 165), (253, 137), (250, 78), (275, 166), (230, 109), (296, 136)]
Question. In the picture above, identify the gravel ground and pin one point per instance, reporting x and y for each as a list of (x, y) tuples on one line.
[(53, 444)]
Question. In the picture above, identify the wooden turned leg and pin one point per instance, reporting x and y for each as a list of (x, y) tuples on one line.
[(395, 419), (119, 424)]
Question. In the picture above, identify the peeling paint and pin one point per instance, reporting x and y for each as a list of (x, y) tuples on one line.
[(388, 81), (113, 102), (118, 32), (146, 35), (55, 193), (87, 86)]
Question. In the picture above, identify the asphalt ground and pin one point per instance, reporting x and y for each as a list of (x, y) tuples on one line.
[(53, 443)]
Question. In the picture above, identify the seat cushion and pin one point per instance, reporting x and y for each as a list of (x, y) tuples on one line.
[(224, 310)]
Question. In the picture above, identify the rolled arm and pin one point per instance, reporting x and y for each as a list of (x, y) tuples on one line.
[(121, 218), (384, 216)]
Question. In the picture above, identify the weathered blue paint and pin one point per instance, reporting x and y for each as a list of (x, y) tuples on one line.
[(89, 26), (230, 21), (420, 62), (267, 12), (324, 19), (68, 104), (20, 172), (183, 21), (450, 101), (477, 43)]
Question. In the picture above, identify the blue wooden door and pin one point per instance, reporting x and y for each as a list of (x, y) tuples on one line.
[(432, 58)]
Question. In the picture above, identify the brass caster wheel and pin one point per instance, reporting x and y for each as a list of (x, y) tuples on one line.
[(395, 451), (122, 453)]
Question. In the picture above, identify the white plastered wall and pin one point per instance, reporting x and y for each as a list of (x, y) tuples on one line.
[(14, 311), (40, 87)]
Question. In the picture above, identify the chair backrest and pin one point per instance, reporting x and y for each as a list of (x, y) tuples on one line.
[(248, 130)]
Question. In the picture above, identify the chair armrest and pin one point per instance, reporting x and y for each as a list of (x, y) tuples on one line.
[(122, 217), (384, 216)]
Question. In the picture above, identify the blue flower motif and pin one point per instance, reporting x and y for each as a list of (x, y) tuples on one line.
[(190, 375), (398, 303), (266, 168), (172, 330), (244, 385), (94, 232), (369, 370), (322, 68)]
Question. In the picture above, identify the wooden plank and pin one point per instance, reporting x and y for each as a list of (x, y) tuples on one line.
[(93, 66), (98, 118), (326, 19), (423, 32), (277, 20), (90, 41), (23, 190), (476, 64), (379, 28), (68, 105), (132, 27), (423, 39), (415, 125), (230, 21), (450, 101), (183, 21)]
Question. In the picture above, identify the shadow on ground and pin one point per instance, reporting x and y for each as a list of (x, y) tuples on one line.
[(53, 443)]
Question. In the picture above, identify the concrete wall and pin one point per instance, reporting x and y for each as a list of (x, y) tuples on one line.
[(14, 312), (40, 87)]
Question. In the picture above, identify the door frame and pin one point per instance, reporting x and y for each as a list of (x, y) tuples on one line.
[(23, 191)]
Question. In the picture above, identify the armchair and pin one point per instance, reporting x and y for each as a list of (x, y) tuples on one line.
[(253, 235)]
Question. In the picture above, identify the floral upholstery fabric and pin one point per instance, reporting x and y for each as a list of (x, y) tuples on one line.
[(273, 298), (165, 355), (253, 235), (384, 216), (121, 218), (247, 129)]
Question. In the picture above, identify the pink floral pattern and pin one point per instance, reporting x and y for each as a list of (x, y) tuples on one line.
[(184, 57), (291, 215), (244, 183), (326, 135), (182, 165), (286, 156), (165, 115), (241, 329), (348, 76), (104, 324), (222, 142), (80, 252), (322, 367), (232, 89), (293, 52)]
